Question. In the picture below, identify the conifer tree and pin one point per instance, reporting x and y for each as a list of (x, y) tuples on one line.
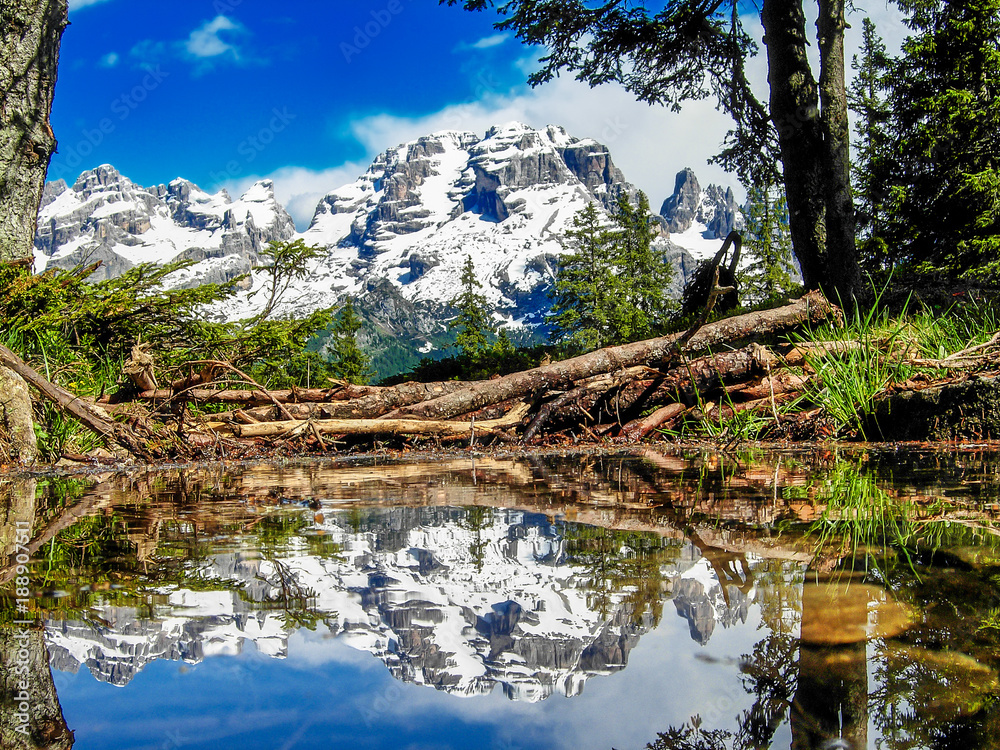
[(640, 303), (767, 245), (474, 322), (584, 288), (283, 263), (946, 102), (613, 288), (350, 362), (872, 164)]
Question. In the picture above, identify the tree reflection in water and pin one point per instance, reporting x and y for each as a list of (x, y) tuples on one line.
[(819, 548), (934, 673)]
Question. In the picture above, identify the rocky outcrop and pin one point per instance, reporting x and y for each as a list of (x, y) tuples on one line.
[(720, 212), (681, 209), (483, 198), (715, 207)]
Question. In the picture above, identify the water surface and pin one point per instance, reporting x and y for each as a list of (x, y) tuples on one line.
[(697, 600)]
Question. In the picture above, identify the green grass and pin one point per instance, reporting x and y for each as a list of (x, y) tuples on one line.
[(848, 385)]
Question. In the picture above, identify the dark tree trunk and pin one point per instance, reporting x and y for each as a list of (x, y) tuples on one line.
[(796, 117), (29, 55), (814, 142), (30, 33), (842, 271)]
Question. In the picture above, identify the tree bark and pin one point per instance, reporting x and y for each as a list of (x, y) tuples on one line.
[(813, 307), (17, 430), (843, 275), (796, 117), (29, 56), (30, 33)]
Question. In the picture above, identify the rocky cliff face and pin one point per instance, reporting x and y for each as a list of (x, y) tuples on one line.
[(105, 216), (505, 199), (714, 208)]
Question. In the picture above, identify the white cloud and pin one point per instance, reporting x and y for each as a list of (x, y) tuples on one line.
[(213, 42), (77, 4), (148, 52), (487, 42), (109, 60), (206, 41)]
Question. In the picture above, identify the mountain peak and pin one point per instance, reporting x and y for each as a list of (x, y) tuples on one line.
[(260, 192), (104, 176), (715, 207)]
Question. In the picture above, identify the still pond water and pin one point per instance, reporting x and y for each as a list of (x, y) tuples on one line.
[(677, 600)]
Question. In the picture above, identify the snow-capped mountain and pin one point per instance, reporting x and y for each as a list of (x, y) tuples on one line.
[(396, 238), (462, 607), (105, 216)]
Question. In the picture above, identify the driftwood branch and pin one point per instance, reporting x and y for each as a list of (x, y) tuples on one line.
[(639, 428)]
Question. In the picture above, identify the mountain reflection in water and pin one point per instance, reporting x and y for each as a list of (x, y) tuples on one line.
[(785, 602)]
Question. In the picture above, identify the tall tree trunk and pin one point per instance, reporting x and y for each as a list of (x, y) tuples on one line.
[(796, 117), (843, 275), (814, 137), (30, 33)]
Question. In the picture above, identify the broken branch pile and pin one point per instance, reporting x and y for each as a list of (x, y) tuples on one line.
[(624, 392)]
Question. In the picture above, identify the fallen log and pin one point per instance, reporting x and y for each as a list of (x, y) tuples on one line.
[(654, 352), (235, 396), (594, 388), (639, 428), (75, 407), (685, 382), (382, 426), (259, 397), (379, 400)]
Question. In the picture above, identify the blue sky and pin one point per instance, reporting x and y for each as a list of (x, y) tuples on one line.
[(223, 92)]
